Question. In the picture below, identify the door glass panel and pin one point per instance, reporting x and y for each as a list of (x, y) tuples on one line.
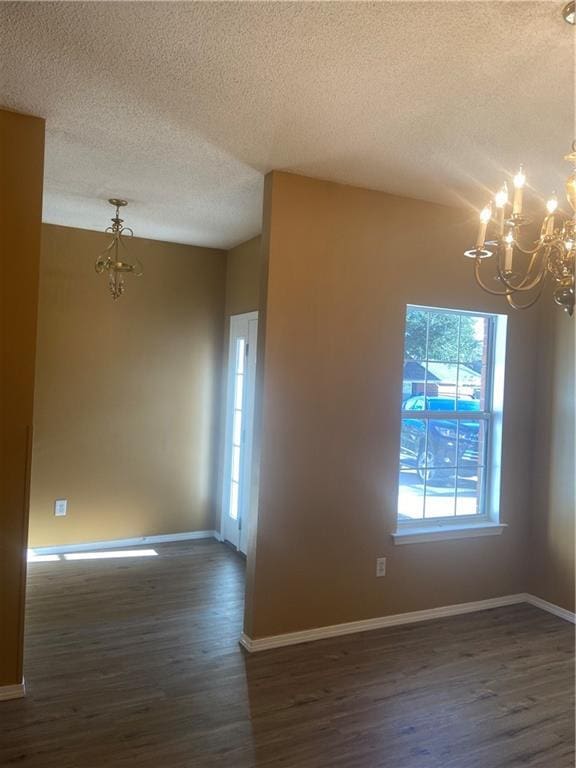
[(237, 428), (236, 463), (237, 418), (238, 390), (240, 355), (233, 511)]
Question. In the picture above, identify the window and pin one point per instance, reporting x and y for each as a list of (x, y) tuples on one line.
[(451, 416)]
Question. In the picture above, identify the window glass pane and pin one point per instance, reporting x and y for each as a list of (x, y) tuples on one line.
[(411, 482), (473, 359), (441, 448), (442, 385), (416, 334), (414, 381), (416, 342), (443, 333), (468, 493), (470, 388), (438, 467), (471, 446), (440, 498)]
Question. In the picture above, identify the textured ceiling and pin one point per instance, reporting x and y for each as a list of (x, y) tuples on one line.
[(181, 107)]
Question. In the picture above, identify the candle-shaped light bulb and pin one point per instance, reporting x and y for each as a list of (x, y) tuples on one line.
[(551, 206), (485, 216), (501, 197), (500, 201), (508, 251), (519, 182), (552, 203), (520, 178)]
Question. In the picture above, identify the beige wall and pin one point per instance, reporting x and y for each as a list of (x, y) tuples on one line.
[(126, 423), (554, 508), (342, 264), (243, 278), (21, 180)]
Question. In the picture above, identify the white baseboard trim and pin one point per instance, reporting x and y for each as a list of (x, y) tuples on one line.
[(113, 543), (8, 692), (562, 613), (352, 627)]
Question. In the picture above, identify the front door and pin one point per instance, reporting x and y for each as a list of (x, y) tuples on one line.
[(239, 429)]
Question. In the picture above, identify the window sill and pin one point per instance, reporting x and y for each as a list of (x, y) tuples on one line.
[(413, 535)]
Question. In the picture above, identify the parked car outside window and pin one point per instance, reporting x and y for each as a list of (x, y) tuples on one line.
[(449, 445)]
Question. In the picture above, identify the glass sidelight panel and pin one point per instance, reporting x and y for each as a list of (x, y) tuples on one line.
[(237, 428)]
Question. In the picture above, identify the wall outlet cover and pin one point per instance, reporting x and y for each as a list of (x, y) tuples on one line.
[(380, 566), (60, 507)]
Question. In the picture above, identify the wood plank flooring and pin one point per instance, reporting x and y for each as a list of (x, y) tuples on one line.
[(136, 663)]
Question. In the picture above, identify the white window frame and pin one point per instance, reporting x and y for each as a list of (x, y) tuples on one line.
[(488, 522)]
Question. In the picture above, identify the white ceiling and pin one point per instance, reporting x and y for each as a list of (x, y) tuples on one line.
[(181, 107)]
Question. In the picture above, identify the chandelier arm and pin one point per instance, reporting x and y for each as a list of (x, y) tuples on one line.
[(528, 251), (108, 247), (484, 287), (104, 259), (515, 305), (526, 284)]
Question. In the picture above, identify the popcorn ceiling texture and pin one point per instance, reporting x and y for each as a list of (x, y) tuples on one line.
[(181, 107)]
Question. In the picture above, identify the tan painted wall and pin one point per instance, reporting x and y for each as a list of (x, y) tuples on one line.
[(243, 278), (126, 421), (342, 264), (21, 180), (552, 542)]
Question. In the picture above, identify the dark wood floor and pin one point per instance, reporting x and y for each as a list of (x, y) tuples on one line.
[(135, 663)]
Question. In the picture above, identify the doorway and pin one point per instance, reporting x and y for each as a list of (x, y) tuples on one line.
[(239, 429)]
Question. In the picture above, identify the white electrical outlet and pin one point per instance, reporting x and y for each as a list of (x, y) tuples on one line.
[(380, 566), (60, 507)]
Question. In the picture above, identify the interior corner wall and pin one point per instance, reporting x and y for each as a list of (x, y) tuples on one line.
[(552, 538), (127, 391), (21, 182), (343, 262)]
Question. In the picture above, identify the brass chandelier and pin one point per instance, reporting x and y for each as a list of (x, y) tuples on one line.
[(523, 270), (111, 259)]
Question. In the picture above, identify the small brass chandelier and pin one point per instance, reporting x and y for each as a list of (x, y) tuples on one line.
[(524, 270), (110, 260), (521, 269)]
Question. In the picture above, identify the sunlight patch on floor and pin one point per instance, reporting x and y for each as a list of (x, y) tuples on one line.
[(102, 555)]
